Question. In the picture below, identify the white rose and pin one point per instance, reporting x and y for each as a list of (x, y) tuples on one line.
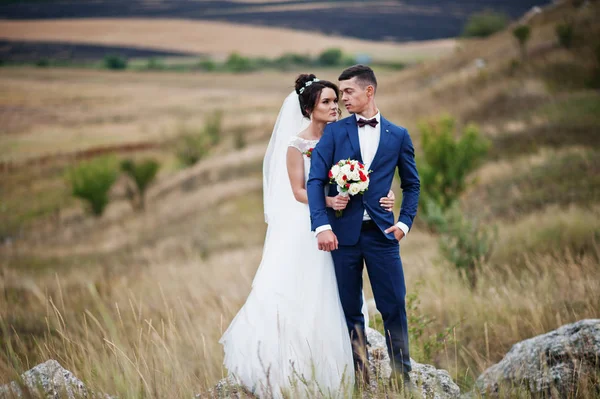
[(345, 169), (354, 189), (354, 175), (364, 185), (339, 180), (335, 170)]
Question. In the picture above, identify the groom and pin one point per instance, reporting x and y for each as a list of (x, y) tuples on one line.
[(366, 233)]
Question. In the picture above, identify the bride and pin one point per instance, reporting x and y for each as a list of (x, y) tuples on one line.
[(290, 338)]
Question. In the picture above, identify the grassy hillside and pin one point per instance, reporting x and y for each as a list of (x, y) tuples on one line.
[(134, 303)]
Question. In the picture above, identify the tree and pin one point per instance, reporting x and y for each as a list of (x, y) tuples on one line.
[(522, 33)]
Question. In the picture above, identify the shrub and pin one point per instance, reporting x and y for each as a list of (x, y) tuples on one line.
[(522, 33), (212, 127), (91, 181), (484, 24), (155, 64), (207, 65), (564, 34), (239, 140), (142, 174), (465, 243), (114, 61), (191, 147), (237, 63), (447, 161), (331, 57)]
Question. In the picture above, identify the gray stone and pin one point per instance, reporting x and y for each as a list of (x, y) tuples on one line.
[(48, 381), (430, 382), (552, 361)]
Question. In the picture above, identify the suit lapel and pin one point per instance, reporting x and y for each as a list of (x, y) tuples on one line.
[(352, 130), (384, 137)]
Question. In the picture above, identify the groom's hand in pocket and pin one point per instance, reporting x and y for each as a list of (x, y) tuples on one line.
[(398, 233), (327, 241)]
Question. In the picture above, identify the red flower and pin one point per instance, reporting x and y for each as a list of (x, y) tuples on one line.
[(344, 178), (362, 176), (330, 174), (348, 186), (352, 168), (361, 165), (309, 152)]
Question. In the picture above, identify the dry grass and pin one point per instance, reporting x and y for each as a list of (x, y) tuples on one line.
[(135, 304), (215, 38)]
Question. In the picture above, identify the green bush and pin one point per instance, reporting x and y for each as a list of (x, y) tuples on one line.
[(465, 243), (155, 64), (91, 181), (237, 63), (331, 57), (239, 139), (484, 24), (564, 34), (142, 174), (447, 160), (522, 33), (213, 127), (114, 61), (207, 65), (191, 146)]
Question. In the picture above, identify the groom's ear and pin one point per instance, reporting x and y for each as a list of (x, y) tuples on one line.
[(370, 91)]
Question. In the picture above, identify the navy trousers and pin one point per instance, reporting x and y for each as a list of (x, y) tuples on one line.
[(384, 267)]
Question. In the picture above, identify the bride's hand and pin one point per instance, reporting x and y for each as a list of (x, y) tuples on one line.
[(338, 202), (388, 202)]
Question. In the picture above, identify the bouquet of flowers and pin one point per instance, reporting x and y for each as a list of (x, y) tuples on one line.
[(351, 178)]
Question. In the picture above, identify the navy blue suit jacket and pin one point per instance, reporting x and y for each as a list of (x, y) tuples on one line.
[(340, 141)]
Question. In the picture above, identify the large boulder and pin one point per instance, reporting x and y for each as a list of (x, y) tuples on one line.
[(48, 381), (547, 364), (430, 382)]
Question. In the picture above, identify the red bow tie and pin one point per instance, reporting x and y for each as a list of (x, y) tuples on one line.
[(371, 122)]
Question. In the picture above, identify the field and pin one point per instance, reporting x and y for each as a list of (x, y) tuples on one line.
[(218, 39), (134, 303), (378, 20)]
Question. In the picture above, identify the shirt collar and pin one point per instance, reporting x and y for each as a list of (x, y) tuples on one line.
[(377, 117)]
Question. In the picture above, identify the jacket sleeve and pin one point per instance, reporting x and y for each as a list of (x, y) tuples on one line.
[(409, 181), (318, 178)]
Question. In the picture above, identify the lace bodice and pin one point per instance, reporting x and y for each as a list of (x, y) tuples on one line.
[(302, 145), (305, 147)]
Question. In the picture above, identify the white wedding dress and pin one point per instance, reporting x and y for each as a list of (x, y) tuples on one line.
[(290, 337)]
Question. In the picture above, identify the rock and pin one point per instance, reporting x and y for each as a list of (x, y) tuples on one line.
[(431, 382), (552, 361), (48, 380)]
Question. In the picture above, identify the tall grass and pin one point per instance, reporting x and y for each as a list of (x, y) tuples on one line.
[(153, 331)]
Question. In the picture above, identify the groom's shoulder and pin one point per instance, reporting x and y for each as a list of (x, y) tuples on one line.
[(338, 125), (398, 128)]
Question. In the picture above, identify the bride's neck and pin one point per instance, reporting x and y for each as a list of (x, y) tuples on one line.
[(315, 129)]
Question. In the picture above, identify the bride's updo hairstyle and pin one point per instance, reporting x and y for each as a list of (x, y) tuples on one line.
[(309, 90)]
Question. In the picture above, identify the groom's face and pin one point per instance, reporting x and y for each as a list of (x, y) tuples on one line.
[(354, 96)]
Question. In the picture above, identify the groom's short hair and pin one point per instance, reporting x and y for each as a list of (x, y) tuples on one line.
[(364, 75)]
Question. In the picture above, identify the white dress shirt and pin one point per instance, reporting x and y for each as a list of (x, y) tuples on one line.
[(368, 138)]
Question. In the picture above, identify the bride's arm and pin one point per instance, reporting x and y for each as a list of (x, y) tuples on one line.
[(295, 167)]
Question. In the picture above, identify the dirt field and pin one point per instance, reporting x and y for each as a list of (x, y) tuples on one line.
[(205, 37), (373, 20)]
